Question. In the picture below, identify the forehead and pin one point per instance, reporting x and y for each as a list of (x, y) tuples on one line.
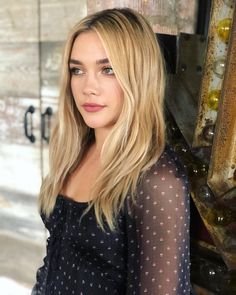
[(88, 45)]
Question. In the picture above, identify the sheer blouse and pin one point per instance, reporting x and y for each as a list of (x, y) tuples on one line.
[(147, 254)]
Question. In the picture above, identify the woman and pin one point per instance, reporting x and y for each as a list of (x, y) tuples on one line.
[(115, 200)]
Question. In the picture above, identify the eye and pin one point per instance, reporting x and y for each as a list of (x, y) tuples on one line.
[(108, 70), (76, 71)]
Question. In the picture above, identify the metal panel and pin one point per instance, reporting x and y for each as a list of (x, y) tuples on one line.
[(217, 209), (222, 172), (183, 88), (211, 81), (166, 16)]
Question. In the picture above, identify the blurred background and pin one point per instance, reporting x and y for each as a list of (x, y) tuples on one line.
[(198, 44)]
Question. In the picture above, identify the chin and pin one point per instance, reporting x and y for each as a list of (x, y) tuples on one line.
[(95, 125)]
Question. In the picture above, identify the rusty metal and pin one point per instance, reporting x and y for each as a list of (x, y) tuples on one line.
[(210, 81), (223, 161), (219, 214), (218, 233), (183, 87)]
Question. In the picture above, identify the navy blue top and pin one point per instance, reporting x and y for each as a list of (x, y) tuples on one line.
[(148, 253)]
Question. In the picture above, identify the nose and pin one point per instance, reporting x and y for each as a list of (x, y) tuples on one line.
[(91, 85)]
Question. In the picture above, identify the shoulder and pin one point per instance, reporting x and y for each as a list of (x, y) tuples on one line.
[(165, 181), (164, 185), (168, 163), (167, 176)]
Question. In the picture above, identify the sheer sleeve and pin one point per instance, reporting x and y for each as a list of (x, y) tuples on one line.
[(158, 231)]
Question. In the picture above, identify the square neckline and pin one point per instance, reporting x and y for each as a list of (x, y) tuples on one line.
[(72, 201)]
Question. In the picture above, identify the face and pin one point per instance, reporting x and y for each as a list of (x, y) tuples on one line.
[(96, 91)]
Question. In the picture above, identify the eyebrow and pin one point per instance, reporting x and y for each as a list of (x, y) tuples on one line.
[(98, 62)]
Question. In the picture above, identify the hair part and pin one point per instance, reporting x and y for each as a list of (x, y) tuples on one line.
[(137, 138)]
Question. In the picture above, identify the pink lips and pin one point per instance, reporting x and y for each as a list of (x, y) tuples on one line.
[(92, 107)]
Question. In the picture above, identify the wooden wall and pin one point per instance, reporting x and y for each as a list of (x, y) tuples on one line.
[(32, 34)]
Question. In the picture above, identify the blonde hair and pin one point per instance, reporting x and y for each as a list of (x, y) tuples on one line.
[(137, 139)]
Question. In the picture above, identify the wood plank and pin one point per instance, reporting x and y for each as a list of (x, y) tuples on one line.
[(51, 102), (51, 57), (18, 21), (19, 70), (58, 17), (12, 112), (19, 158)]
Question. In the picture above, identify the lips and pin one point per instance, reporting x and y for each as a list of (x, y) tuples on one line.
[(92, 107)]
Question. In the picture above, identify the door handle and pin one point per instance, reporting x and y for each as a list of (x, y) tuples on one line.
[(46, 122), (30, 111)]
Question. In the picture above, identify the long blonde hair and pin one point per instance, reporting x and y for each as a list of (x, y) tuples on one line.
[(137, 139)]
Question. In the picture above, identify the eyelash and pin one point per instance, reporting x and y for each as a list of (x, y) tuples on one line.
[(108, 68), (74, 71)]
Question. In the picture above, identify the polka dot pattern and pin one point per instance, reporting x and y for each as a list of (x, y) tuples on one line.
[(148, 254)]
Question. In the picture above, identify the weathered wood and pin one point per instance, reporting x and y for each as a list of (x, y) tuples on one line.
[(51, 102), (51, 57), (23, 21), (12, 111), (19, 158), (18, 21), (59, 16), (19, 74), (168, 17)]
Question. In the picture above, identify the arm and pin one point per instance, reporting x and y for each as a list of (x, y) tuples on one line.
[(161, 221)]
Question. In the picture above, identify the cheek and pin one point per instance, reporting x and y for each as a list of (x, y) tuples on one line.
[(73, 86), (119, 94), (75, 89), (120, 98), (75, 94)]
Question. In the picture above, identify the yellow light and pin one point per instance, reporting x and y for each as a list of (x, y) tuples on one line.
[(213, 99), (223, 29)]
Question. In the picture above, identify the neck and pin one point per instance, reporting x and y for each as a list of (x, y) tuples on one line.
[(100, 136)]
